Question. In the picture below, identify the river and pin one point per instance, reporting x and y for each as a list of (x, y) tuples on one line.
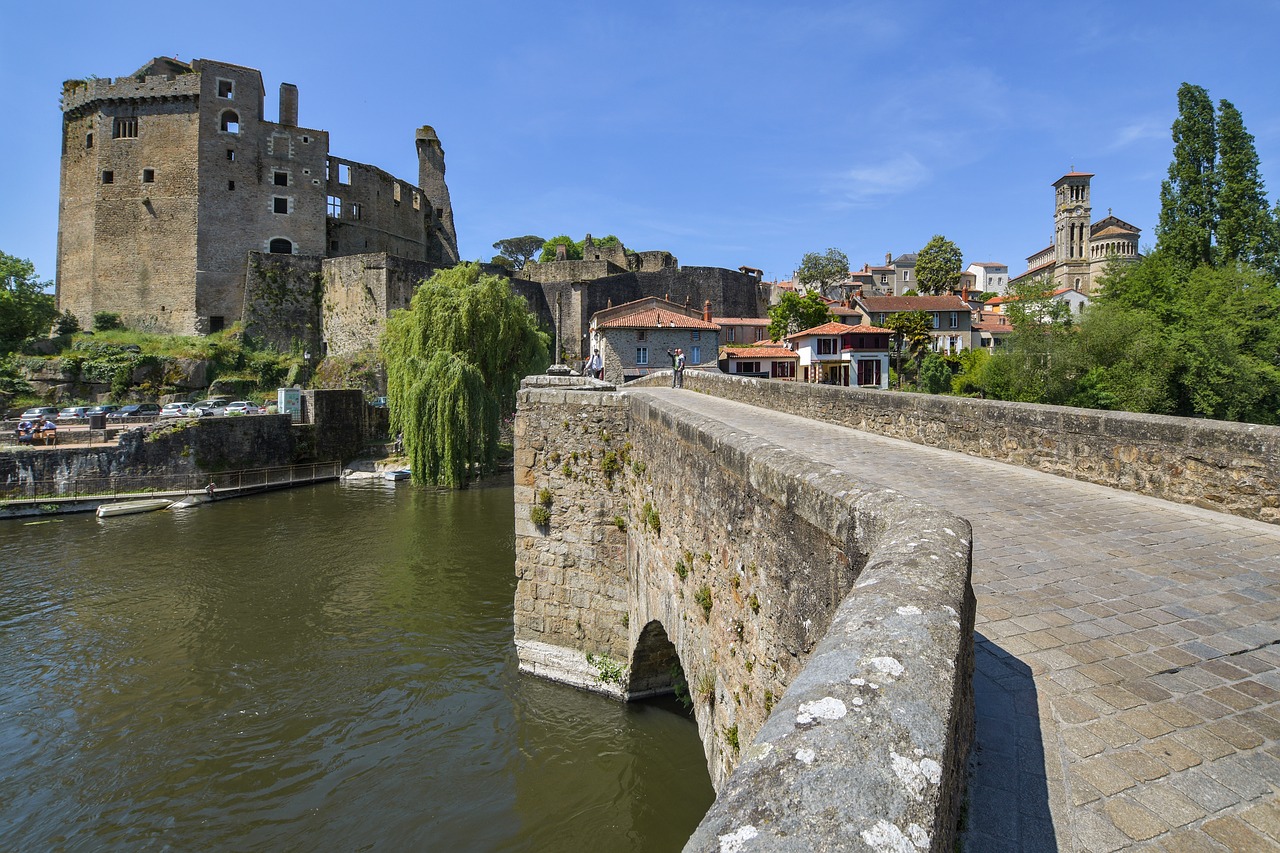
[(326, 668)]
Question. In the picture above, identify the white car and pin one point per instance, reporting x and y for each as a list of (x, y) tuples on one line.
[(212, 406), (176, 410), (241, 407)]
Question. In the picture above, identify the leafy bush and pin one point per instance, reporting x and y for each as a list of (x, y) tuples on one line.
[(105, 321)]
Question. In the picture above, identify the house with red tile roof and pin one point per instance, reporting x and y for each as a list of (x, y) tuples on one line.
[(762, 361), (633, 339), (951, 318), (841, 354), (745, 331)]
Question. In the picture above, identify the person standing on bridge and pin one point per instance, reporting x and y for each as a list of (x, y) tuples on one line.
[(677, 368)]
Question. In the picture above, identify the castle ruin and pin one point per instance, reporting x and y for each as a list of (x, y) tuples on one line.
[(172, 176)]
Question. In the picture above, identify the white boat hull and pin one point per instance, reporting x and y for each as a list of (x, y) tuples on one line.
[(132, 507)]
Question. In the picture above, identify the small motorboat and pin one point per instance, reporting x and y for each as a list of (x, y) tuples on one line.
[(398, 474), (132, 507), (191, 501)]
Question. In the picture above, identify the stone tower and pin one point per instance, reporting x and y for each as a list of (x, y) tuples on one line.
[(1072, 214), (431, 180)]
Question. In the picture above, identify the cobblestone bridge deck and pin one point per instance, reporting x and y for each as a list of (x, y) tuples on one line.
[(1128, 649)]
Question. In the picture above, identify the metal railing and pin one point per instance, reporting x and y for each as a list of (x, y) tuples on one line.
[(226, 481)]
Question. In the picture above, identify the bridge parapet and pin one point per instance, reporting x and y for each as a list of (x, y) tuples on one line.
[(823, 628), (1219, 465)]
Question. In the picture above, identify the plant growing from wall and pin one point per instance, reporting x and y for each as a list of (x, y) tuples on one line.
[(680, 686), (703, 599), (608, 670), (706, 687), (651, 518), (609, 467), (731, 736), (681, 569), (540, 515), (620, 522)]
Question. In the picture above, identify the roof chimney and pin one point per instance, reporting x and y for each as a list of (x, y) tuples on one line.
[(288, 105), (888, 258), (706, 311)]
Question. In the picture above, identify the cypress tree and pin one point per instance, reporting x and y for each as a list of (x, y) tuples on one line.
[(1245, 230), (1188, 198)]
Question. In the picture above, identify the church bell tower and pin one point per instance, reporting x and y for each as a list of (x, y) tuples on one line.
[(1072, 215)]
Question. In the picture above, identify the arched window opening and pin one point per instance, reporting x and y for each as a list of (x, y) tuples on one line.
[(231, 121), (281, 246)]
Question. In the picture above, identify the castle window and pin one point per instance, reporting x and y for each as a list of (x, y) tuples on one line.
[(226, 88), (231, 185), (230, 121), (217, 324), (280, 179), (280, 204), (417, 201), (108, 177), (88, 140), (306, 140), (439, 213), (355, 210), (124, 127), (344, 174), (335, 206), (281, 246), (148, 176), (231, 155), (395, 192)]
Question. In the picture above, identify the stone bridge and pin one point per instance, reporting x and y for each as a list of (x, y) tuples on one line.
[(809, 583)]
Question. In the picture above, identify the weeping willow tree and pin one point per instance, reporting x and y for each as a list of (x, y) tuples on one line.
[(455, 358)]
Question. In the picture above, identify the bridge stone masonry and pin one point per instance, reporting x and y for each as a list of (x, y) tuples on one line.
[(823, 629), (1127, 659)]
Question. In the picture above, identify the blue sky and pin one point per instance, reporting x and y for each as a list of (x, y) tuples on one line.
[(728, 133)]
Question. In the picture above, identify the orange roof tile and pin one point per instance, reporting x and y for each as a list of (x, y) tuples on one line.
[(840, 329), (652, 318), (914, 303), (758, 352)]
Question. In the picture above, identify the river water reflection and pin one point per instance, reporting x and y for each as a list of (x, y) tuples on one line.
[(324, 668)]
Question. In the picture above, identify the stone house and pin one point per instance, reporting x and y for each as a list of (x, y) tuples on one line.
[(840, 354), (762, 361), (989, 277), (173, 175), (633, 339), (744, 331), (951, 317)]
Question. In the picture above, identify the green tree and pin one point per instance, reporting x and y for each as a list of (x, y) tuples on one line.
[(938, 266), (911, 330), (520, 250), (935, 376), (795, 313), (573, 251), (1245, 231), (821, 273), (1188, 197), (455, 358), (1030, 303), (25, 309)]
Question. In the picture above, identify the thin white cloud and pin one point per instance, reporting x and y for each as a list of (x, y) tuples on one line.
[(873, 182), (1138, 131)]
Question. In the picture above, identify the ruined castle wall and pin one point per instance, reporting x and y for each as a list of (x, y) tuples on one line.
[(128, 203), (805, 611), (260, 182), (1219, 465), (377, 212), (732, 293), (360, 291), (282, 300)]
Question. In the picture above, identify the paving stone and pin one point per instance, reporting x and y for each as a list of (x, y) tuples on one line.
[(1235, 734), (1115, 733), (1145, 723), (1172, 806), (1133, 820), (1239, 777), (1103, 774), (1235, 834), (1169, 751), (1176, 714), (1190, 841), (1082, 742), (1206, 791), (1096, 833), (1265, 818)]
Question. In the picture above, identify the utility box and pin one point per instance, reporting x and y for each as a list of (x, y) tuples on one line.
[(289, 402), (97, 421)]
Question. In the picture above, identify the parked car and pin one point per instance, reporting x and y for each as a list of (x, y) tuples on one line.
[(136, 410), (241, 407), (73, 413), (40, 413), (104, 409), (378, 402), (212, 406), (177, 410)]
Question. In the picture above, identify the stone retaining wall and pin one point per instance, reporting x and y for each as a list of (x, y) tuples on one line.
[(1220, 465), (823, 630)]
